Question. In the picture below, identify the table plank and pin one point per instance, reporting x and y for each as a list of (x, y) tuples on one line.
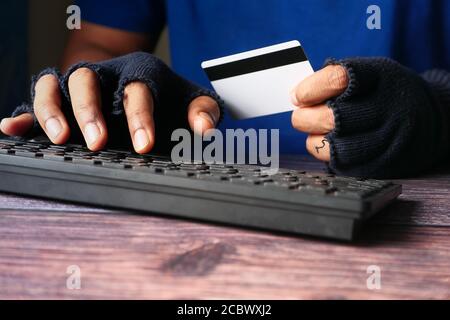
[(137, 256), (129, 255)]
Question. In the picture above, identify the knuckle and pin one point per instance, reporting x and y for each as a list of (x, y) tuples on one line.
[(204, 103), (85, 112), (134, 85), (83, 108), (40, 110), (338, 78), (302, 93), (309, 143), (215, 110), (329, 119), (295, 119), (46, 80), (81, 74), (138, 114), (44, 110)]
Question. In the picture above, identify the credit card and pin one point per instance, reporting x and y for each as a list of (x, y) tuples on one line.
[(258, 82)]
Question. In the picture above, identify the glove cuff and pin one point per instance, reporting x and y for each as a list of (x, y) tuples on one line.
[(83, 64), (23, 108), (35, 79), (347, 93), (351, 112), (28, 107), (352, 87)]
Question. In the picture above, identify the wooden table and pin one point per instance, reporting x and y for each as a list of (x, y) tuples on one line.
[(128, 255)]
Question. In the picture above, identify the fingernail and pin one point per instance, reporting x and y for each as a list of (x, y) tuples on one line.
[(141, 139), (53, 127), (294, 99), (91, 133), (208, 117), (2, 125)]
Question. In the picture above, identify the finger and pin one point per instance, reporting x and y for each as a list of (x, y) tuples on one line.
[(203, 114), (322, 85), (47, 108), (17, 126), (138, 104), (315, 120), (319, 147), (84, 92)]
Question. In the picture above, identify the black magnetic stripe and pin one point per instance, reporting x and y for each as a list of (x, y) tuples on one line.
[(258, 63)]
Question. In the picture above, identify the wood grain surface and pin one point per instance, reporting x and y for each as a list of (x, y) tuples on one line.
[(128, 255)]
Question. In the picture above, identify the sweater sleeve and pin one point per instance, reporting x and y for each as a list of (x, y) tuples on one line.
[(439, 81)]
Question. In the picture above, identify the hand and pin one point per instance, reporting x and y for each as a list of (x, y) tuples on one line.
[(372, 117), (313, 114), (84, 87)]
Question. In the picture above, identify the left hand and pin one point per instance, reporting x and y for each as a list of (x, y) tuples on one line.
[(313, 115)]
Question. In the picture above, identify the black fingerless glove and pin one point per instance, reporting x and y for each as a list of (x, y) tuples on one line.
[(390, 122), (171, 93)]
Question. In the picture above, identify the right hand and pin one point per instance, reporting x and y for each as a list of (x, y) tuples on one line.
[(85, 92)]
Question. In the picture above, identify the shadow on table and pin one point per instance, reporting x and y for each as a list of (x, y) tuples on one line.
[(393, 224)]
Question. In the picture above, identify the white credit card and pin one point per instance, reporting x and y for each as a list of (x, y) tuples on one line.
[(258, 82)]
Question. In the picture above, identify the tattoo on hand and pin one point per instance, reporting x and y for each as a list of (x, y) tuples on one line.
[(322, 146)]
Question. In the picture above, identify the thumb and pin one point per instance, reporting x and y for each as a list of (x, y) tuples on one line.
[(17, 126), (203, 114)]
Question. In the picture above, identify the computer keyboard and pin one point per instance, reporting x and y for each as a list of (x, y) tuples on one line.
[(293, 201)]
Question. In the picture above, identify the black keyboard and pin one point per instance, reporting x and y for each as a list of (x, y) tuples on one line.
[(299, 202)]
